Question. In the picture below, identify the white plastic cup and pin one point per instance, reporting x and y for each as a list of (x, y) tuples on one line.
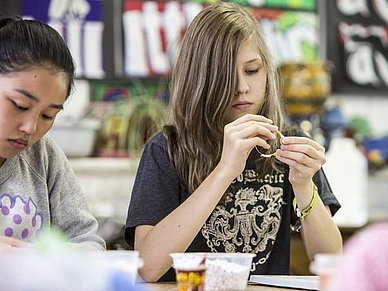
[(325, 265), (227, 271), (126, 261)]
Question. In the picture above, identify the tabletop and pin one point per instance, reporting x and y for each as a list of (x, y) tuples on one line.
[(172, 286)]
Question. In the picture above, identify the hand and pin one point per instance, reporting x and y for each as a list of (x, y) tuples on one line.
[(10, 242), (304, 157), (240, 137)]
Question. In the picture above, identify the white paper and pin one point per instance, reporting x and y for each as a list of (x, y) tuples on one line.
[(301, 282)]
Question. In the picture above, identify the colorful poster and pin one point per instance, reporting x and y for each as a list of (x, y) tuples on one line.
[(358, 45), (288, 4), (291, 35), (307, 5), (81, 25), (152, 32), (153, 29)]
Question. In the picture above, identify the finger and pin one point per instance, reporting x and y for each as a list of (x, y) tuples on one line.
[(300, 148), (261, 127), (297, 164), (300, 160), (252, 117), (19, 244), (306, 149), (308, 161), (253, 136), (10, 243), (289, 140), (248, 138), (251, 129)]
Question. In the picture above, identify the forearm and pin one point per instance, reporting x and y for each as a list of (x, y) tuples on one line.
[(320, 233), (178, 229)]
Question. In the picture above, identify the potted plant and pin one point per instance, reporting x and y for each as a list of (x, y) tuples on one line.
[(144, 116)]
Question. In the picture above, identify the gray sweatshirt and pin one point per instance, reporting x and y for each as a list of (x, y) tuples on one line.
[(38, 191)]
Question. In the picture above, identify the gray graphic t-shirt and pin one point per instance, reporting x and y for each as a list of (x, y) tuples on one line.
[(39, 190), (19, 218)]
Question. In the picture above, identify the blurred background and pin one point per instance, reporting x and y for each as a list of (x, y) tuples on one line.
[(333, 67)]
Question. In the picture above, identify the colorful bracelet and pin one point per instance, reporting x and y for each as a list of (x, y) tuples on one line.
[(303, 213)]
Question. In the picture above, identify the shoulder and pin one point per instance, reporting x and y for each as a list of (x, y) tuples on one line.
[(155, 156), (157, 143), (159, 140)]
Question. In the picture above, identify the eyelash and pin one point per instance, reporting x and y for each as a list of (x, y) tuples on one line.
[(47, 117), (252, 72), (18, 107), (21, 108)]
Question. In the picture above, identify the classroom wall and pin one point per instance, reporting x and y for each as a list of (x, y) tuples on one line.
[(373, 108)]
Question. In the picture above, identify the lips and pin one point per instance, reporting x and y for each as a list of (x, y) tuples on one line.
[(242, 105), (18, 143)]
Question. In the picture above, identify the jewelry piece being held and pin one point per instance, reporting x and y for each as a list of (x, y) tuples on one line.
[(274, 153)]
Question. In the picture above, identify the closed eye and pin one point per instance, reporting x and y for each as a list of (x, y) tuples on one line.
[(47, 117), (22, 108), (19, 107), (252, 72)]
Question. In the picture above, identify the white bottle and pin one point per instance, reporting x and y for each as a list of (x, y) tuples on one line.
[(347, 171)]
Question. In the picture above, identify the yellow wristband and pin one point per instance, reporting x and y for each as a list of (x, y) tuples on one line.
[(302, 214)]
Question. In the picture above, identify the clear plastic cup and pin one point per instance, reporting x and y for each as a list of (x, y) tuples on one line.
[(126, 261), (224, 271), (190, 271), (227, 271), (324, 265)]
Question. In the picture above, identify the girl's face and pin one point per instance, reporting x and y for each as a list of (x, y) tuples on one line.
[(29, 102), (252, 79)]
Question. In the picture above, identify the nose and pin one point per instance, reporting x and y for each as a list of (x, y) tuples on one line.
[(29, 124), (242, 86)]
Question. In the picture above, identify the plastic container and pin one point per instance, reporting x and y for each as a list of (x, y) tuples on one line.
[(76, 137), (346, 169), (224, 271), (190, 271), (325, 265), (125, 261), (64, 268)]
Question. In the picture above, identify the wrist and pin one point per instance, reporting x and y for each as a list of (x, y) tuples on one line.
[(223, 174), (301, 213), (303, 193)]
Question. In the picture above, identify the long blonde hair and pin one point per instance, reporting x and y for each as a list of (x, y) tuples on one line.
[(203, 85)]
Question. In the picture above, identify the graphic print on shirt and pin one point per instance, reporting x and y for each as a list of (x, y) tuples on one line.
[(248, 219), (18, 218)]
